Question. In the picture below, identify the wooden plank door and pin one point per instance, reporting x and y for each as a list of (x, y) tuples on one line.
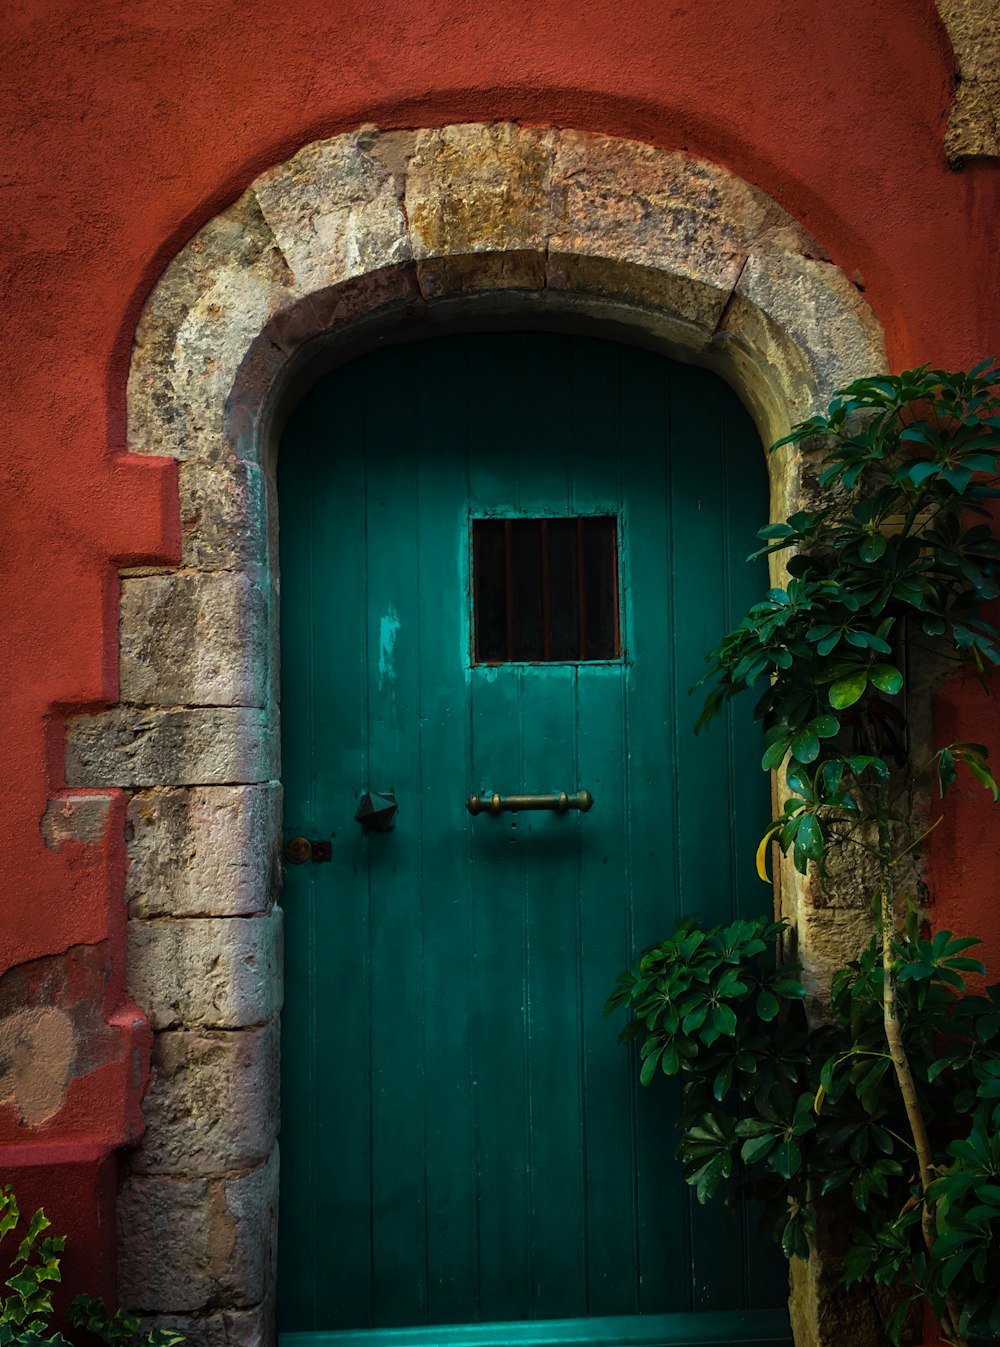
[(463, 1141)]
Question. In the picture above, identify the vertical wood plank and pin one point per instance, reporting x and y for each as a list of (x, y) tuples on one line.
[(445, 773), (392, 562)]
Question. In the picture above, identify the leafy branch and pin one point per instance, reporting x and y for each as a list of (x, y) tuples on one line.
[(867, 1103)]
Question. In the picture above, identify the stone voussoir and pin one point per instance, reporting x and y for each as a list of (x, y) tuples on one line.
[(207, 972), (212, 1104), (194, 639), (129, 746), (335, 210), (208, 851), (194, 1244), (480, 188)]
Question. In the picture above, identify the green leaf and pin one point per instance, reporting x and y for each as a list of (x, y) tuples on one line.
[(809, 838), (805, 746), (786, 1158), (872, 547), (846, 691), (886, 678)]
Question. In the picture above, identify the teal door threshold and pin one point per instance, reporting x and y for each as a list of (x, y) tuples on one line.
[(749, 1328)]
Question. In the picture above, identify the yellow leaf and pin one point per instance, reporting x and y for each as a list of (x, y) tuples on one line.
[(818, 1101), (762, 852)]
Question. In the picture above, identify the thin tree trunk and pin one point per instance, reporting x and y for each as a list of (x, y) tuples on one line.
[(900, 1061)]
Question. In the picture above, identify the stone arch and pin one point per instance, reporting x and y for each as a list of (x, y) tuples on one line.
[(353, 234)]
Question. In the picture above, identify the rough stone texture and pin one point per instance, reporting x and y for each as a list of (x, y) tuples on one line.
[(225, 1328), (195, 640), (811, 325), (204, 851), (199, 322), (207, 972), (630, 202), (823, 1311), (37, 1049), (974, 123), (212, 1104), (480, 188), (75, 818), (334, 210), (190, 746), (223, 515), (194, 1244)]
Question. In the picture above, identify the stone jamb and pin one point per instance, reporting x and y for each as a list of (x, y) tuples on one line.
[(351, 237)]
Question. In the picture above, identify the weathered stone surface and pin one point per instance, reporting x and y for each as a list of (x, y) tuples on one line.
[(76, 818), (192, 1244), (480, 188), (53, 1029), (974, 123), (630, 202), (191, 746), (196, 329), (212, 1103), (195, 640), (224, 522), (204, 851), (207, 972), (817, 319), (464, 273), (224, 1328), (37, 1049), (686, 309), (334, 209)]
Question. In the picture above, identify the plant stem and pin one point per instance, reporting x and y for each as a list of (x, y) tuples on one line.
[(897, 1051)]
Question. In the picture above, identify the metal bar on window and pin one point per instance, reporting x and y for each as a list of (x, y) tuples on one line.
[(581, 589), (546, 592)]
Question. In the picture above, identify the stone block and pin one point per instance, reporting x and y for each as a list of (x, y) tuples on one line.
[(630, 202), (212, 1103), (206, 972), (195, 640), (223, 1328), (480, 188), (196, 329), (224, 523), (812, 319), (335, 211), (191, 746), (209, 851), (194, 1244), (76, 818)]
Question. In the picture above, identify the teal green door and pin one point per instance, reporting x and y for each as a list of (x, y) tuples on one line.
[(463, 1140)]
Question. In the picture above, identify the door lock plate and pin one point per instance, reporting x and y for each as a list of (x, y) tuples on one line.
[(300, 849)]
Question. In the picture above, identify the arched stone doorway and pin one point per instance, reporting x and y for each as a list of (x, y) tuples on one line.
[(325, 253)]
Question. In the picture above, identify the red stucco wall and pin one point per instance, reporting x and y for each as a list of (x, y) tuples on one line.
[(125, 126)]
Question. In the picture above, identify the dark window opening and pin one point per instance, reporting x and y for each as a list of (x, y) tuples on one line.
[(545, 590)]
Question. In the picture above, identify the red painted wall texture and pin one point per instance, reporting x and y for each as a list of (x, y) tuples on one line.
[(126, 126)]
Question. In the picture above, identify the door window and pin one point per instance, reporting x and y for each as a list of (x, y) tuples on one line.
[(545, 590)]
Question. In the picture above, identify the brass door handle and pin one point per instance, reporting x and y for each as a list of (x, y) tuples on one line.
[(512, 804)]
